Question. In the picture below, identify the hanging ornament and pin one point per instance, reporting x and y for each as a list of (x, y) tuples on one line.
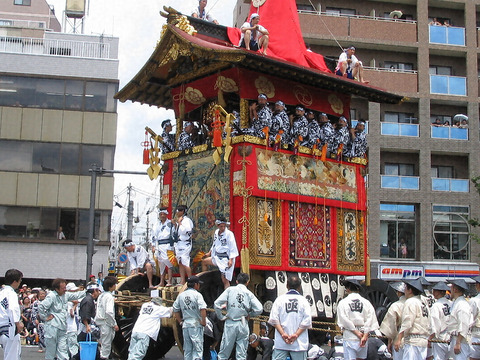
[(146, 153), (217, 127)]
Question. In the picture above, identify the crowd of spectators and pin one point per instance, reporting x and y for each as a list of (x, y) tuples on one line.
[(463, 124)]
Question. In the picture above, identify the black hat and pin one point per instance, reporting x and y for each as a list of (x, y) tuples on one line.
[(354, 282), (128, 242), (424, 281), (476, 278), (416, 284), (462, 284), (166, 123), (441, 286), (194, 280)]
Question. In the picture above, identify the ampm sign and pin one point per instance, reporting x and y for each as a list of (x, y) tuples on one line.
[(393, 272)]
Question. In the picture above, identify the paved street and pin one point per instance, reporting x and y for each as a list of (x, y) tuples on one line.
[(29, 352)]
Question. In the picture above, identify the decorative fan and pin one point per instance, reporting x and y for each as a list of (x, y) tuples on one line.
[(172, 258), (199, 257)]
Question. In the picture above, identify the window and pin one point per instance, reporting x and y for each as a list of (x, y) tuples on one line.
[(305, 7), (405, 118), (42, 222), (22, 2), (440, 70), (445, 172), (399, 169), (397, 231), (340, 11), (46, 157), (393, 65), (451, 232)]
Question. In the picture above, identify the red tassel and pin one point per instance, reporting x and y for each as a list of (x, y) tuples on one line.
[(217, 126), (146, 153)]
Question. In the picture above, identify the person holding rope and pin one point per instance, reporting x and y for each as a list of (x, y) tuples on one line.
[(439, 314), (349, 66), (200, 12), (223, 252), (254, 36), (356, 318), (393, 319), (458, 325)]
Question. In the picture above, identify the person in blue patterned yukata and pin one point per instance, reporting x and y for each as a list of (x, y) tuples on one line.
[(357, 146), (168, 144), (240, 304), (313, 133), (340, 136), (299, 126), (326, 129), (280, 121), (260, 117), (190, 312), (185, 140)]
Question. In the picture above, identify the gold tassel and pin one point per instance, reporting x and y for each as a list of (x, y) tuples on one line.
[(245, 257)]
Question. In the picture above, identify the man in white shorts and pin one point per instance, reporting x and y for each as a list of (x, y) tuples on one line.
[(223, 252), (183, 246), (161, 244), (356, 317)]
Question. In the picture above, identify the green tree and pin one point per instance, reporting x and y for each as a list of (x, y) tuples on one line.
[(474, 222)]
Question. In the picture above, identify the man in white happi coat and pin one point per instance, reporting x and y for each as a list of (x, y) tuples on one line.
[(223, 252), (415, 327), (393, 319), (475, 304), (10, 319), (291, 317), (147, 327), (356, 318), (439, 314), (240, 304), (458, 325), (183, 234), (161, 244), (139, 261)]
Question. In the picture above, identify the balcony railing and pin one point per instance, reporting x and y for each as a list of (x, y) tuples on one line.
[(453, 185), (400, 182), (22, 23), (400, 129), (447, 35), (447, 132), (448, 85), (37, 46)]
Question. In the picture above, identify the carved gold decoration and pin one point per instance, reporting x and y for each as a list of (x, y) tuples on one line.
[(199, 72), (258, 3), (226, 84), (244, 114), (265, 86), (194, 96), (303, 95), (357, 160), (335, 103), (171, 155), (184, 24), (265, 237), (175, 50)]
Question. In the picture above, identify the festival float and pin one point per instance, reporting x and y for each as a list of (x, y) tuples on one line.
[(292, 210)]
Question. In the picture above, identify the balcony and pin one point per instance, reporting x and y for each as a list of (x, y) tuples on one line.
[(357, 26), (447, 35), (451, 185), (400, 129), (36, 46), (448, 85), (400, 182), (398, 81), (449, 133)]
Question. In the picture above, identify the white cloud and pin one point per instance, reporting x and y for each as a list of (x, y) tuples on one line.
[(138, 24)]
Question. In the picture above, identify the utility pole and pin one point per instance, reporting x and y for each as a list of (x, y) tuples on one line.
[(129, 214)]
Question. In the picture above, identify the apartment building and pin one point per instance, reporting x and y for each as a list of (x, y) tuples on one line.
[(419, 190), (57, 118)]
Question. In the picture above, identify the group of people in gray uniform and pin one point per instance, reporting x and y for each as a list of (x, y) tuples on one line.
[(303, 128)]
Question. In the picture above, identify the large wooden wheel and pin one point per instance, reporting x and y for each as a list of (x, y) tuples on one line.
[(381, 295)]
